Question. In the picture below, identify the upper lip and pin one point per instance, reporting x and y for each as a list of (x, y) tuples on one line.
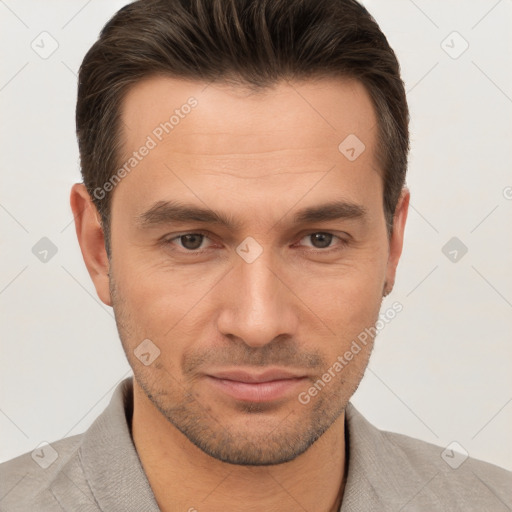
[(253, 376)]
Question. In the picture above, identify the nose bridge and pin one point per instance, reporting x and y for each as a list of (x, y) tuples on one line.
[(260, 286), (259, 306)]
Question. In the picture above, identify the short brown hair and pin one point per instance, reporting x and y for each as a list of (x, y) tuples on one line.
[(254, 43)]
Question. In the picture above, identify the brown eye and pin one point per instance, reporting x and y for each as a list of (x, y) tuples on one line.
[(191, 241), (321, 240)]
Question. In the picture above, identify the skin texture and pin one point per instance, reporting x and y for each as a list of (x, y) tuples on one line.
[(257, 158)]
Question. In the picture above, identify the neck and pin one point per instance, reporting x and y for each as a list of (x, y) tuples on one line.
[(183, 477)]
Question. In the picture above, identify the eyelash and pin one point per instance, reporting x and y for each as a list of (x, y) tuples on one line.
[(328, 250)]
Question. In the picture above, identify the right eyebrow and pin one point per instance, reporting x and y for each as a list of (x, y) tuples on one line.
[(166, 212)]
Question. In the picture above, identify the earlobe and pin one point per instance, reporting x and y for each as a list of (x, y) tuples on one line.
[(91, 239), (397, 239)]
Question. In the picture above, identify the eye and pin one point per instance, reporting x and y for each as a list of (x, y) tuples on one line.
[(194, 242), (322, 240), (188, 241)]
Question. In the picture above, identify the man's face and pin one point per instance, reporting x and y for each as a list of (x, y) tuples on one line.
[(249, 315)]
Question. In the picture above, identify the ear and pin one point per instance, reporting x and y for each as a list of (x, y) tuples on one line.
[(397, 239), (91, 239)]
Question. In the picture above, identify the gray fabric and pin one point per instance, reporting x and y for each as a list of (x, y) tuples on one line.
[(100, 470)]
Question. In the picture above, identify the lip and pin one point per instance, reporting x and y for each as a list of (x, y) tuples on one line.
[(247, 376), (249, 386)]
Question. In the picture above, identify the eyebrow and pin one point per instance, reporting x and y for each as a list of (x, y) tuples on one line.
[(167, 212)]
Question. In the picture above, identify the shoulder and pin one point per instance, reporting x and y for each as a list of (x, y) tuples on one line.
[(417, 475), (27, 478), (452, 464), (450, 475)]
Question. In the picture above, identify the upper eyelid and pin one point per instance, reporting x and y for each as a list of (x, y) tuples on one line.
[(323, 232)]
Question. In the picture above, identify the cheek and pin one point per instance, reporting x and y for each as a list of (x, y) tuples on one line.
[(159, 301), (347, 302), (348, 312), (348, 291)]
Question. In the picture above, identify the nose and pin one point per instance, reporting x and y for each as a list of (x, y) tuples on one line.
[(258, 305)]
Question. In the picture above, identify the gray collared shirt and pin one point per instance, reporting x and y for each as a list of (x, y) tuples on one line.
[(101, 471)]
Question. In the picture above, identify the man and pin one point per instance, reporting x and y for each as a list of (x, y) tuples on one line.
[(243, 212)]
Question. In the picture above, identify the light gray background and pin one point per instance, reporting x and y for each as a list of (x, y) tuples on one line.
[(441, 370)]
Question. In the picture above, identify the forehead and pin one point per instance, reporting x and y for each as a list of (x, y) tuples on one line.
[(318, 112), (207, 139)]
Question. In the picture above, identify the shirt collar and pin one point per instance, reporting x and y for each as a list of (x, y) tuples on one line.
[(110, 461), (114, 470)]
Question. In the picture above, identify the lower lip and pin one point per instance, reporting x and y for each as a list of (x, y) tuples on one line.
[(256, 391)]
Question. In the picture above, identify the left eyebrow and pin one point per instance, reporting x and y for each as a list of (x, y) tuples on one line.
[(167, 212), (330, 211)]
